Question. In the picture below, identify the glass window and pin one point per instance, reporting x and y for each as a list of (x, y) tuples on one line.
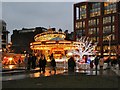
[(77, 13), (82, 11), (95, 9), (107, 29), (109, 7)]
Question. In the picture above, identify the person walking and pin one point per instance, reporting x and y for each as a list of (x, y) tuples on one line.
[(96, 62), (42, 63), (101, 64), (71, 64), (34, 61), (53, 64), (26, 61), (29, 62)]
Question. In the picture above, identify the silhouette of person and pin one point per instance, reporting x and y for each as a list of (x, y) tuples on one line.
[(71, 64), (53, 64)]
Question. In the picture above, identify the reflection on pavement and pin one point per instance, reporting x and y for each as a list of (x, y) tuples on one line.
[(64, 72), (31, 75)]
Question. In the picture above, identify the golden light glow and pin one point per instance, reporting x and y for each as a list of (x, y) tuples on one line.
[(52, 42), (10, 59), (11, 66)]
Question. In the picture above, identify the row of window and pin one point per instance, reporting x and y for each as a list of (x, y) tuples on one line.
[(82, 11), (80, 24), (109, 19), (95, 10), (93, 22), (108, 29), (109, 8), (93, 31), (96, 39)]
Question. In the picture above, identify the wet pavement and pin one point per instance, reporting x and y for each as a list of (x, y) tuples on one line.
[(21, 74)]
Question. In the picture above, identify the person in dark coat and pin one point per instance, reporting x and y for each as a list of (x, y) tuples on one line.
[(96, 62), (29, 62), (34, 61), (42, 63), (71, 64), (53, 64)]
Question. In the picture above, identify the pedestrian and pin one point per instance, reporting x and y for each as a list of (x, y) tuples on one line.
[(29, 62), (34, 61), (19, 62), (118, 62), (53, 64), (101, 63), (96, 62), (91, 65), (42, 63), (71, 64), (26, 61)]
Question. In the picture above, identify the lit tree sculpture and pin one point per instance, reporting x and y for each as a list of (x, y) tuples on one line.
[(85, 47)]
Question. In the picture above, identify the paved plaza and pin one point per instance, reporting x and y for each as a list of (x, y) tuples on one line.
[(62, 79)]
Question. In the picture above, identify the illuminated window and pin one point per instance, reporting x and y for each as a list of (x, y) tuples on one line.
[(107, 29), (80, 24), (82, 11), (77, 13), (93, 22), (95, 9), (109, 7), (93, 30)]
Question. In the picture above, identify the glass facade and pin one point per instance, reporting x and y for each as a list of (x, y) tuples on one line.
[(95, 9), (109, 19), (93, 31), (80, 33), (109, 7), (108, 29), (80, 24), (82, 11), (93, 22)]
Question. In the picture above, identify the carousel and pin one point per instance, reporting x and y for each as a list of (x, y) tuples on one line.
[(52, 42)]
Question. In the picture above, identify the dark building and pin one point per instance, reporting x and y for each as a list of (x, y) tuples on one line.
[(100, 21), (3, 35), (21, 39)]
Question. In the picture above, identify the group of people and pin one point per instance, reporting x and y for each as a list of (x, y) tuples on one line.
[(98, 61), (32, 62)]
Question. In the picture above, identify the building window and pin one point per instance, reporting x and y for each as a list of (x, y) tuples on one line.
[(77, 13), (109, 19), (93, 22), (80, 33), (109, 7), (95, 9), (82, 11), (107, 29), (95, 39), (93, 31), (80, 24)]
